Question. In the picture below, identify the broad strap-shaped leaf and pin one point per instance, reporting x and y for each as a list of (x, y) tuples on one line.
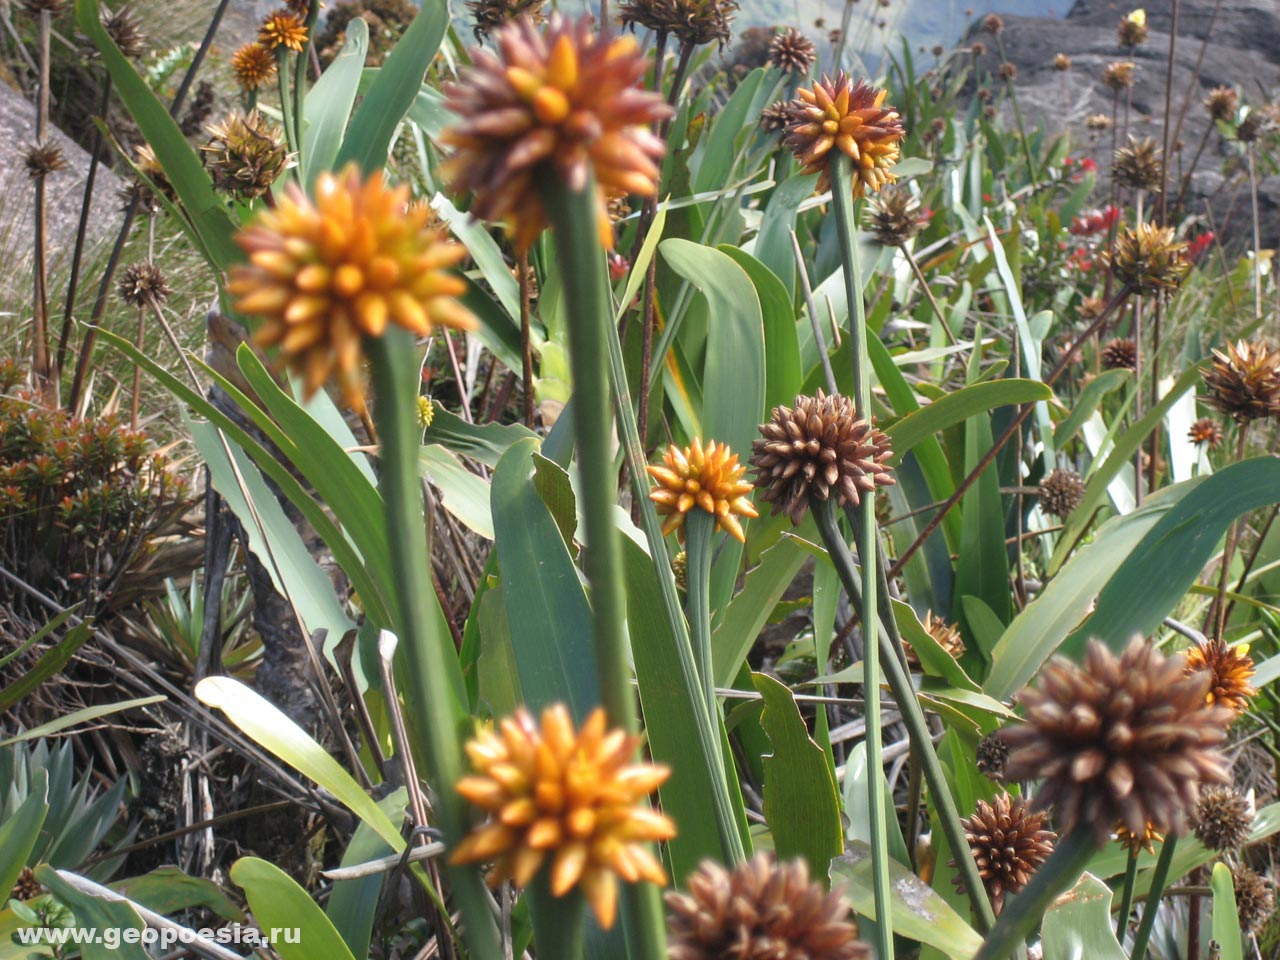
[(279, 905)]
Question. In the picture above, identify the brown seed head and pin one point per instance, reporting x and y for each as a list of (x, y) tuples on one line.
[(254, 66), (1255, 898), (54, 8), (572, 799), (993, 24), (838, 114), (26, 887), (774, 118), (1118, 75), (792, 52), (760, 910), (283, 28), (143, 284), (1244, 382), (991, 756), (896, 217), (1120, 354), (555, 102), (1139, 165), (1222, 818), (692, 22), (1118, 739), (491, 14), (709, 478), (1061, 492), (815, 448), (946, 635), (245, 154), (1230, 669), (44, 159), (1149, 259), (1097, 122), (1061, 62), (1249, 130), (1008, 71), (126, 32), (328, 270), (1206, 430), (1009, 843), (1222, 104)]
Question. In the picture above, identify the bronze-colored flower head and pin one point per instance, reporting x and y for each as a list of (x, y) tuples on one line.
[(993, 24), (1097, 122), (1139, 165), (991, 756), (1249, 130), (324, 272), (572, 799), (254, 67), (1255, 898), (680, 570), (1120, 354), (760, 910), (53, 7), (1149, 259), (1230, 669), (148, 165), (692, 22), (1244, 382), (555, 102), (792, 52), (815, 448), (1091, 309), (1132, 29), (1008, 71), (1206, 431), (851, 118), (491, 14), (245, 154), (125, 31), (709, 478), (947, 636), (1009, 843), (1222, 104), (1061, 62), (143, 284), (1144, 839), (1118, 739), (775, 117), (43, 159), (283, 28), (978, 49), (426, 412), (1061, 492), (1222, 819), (1118, 75), (896, 217), (26, 887)]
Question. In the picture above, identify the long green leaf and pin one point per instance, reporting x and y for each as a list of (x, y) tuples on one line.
[(1097, 388), (353, 904), (50, 663), (54, 624), (1226, 918), (982, 569), (955, 408), (328, 104), (1079, 924), (108, 918), (782, 373), (748, 612), (279, 904), (83, 715), (21, 830), (167, 890)]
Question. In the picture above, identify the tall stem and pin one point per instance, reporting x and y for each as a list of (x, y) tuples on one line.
[(573, 219), (700, 526), (42, 369), (1159, 877), (1126, 894)]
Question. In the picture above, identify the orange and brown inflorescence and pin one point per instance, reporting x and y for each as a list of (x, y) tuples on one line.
[(283, 28), (560, 102), (570, 798), (1230, 669), (1009, 844), (1244, 382), (1149, 259), (703, 477), (326, 271), (1119, 739), (254, 66), (1206, 431), (851, 118)]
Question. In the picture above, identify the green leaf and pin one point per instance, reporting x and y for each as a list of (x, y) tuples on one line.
[(464, 493), (486, 253), (484, 442), (1226, 918), (83, 715), (982, 569), (279, 903), (801, 802), (773, 243), (713, 163), (167, 890), (21, 830), (749, 611), (542, 592), (328, 104), (1156, 576), (1079, 924), (54, 624), (50, 663), (918, 913), (353, 904), (1097, 388), (955, 408), (393, 89), (262, 722), (108, 917), (934, 660), (783, 378)]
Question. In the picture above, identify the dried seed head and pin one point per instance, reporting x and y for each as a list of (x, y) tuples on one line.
[(245, 154), (896, 217), (815, 448), (555, 102), (1118, 739), (1097, 122), (1139, 165), (774, 118), (708, 478), (1061, 492), (491, 14), (1061, 63), (993, 24), (53, 7), (1132, 29), (44, 159), (1118, 75), (1222, 818), (838, 114), (1222, 104), (1009, 843), (1149, 259), (1008, 71), (569, 798), (1230, 669), (254, 67), (1120, 354), (1244, 382), (148, 165), (126, 32), (26, 887), (692, 22), (1249, 130), (946, 635), (283, 28), (1255, 898), (991, 756), (792, 52), (1206, 430), (143, 284), (760, 910)]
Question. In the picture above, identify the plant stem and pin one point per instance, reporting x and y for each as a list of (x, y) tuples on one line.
[(1060, 871), (1126, 894), (1215, 623), (1257, 234), (426, 647), (284, 62), (581, 260), (1159, 877), (699, 528), (526, 336)]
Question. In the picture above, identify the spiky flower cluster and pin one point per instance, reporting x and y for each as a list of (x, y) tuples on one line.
[(991, 756), (572, 799), (1132, 29), (792, 52), (897, 217), (560, 102), (1229, 669), (1118, 75), (760, 910), (1009, 844), (1255, 898), (283, 29), (125, 32), (254, 67), (944, 633), (1137, 841), (324, 272), (1244, 382), (1222, 104), (816, 448), (143, 284), (1120, 354), (1222, 818), (706, 477), (1139, 165), (692, 22), (1149, 259), (775, 117), (1118, 739), (851, 118), (245, 154), (43, 159), (488, 15), (1061, 492)]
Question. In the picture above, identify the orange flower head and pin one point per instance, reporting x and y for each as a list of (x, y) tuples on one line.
[(283, 28), (560, 101), (851, 118), (254, 66), (327, 270), (569, 798), (1145, 839), (709, 478), (1230, 668)]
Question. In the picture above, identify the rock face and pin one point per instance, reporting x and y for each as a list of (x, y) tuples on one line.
[(1243, 51)]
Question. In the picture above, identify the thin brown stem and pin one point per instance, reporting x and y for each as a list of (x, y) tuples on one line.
[(928, 293), (42, 368)]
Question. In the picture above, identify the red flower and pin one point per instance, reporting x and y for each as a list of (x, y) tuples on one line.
[(618, 266), (1196, 249)]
